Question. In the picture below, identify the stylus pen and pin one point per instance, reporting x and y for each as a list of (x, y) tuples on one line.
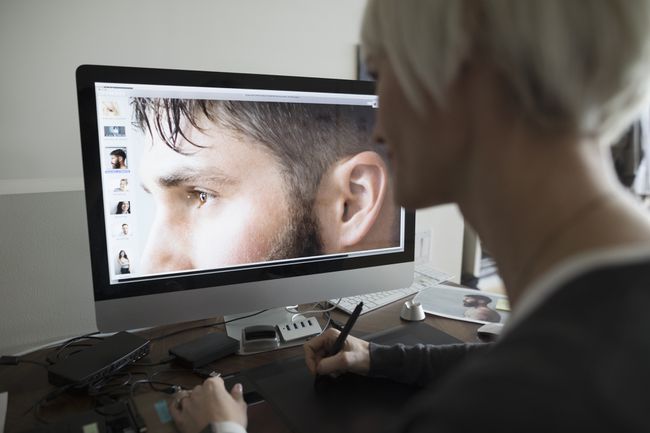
[(338, 344)]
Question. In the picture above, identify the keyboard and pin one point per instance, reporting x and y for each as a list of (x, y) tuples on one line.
[(372, 301), (424, 276)]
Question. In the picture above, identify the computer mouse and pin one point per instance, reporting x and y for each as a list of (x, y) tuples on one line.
[(489, 331), (412, 311)]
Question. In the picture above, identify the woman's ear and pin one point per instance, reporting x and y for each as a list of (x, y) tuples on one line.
[(349, 200)]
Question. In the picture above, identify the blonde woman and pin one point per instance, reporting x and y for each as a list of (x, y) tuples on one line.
[(508, 108)]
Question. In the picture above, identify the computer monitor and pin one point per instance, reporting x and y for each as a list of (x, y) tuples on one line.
[(218, 193)]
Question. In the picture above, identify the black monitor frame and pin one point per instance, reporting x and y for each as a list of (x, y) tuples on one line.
[(88, 75)]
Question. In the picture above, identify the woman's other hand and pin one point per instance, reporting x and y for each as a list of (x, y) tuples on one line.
[(194, 410)]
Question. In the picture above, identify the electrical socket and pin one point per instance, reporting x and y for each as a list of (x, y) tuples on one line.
[(422, 247)]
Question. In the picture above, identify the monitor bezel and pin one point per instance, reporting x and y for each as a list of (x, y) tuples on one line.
[(88, 75)]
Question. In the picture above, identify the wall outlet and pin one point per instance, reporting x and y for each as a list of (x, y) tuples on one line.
[(423, 247)]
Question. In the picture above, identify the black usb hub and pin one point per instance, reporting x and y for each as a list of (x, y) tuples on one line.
[(98, 361)]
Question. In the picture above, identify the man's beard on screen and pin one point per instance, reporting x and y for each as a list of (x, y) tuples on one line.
[(301, 237)]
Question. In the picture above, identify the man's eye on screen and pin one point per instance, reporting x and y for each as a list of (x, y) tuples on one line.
[(199, 197)]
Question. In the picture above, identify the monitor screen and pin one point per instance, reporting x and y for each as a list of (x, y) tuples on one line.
[(200, 180)]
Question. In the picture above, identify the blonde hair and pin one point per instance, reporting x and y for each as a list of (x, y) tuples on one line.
[(578, 64)]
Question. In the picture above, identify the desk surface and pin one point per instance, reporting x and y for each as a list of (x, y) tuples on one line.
[(27, 383)]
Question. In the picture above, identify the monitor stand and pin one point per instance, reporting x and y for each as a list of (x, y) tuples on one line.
[(261, 325)]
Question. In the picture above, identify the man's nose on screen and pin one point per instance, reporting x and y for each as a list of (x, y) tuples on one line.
[(166, 251)]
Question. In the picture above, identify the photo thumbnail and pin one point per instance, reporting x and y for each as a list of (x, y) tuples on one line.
[(121, 208), (121, 230), (123, 263), (110, 109), (115, 131), (122, 185), (117, 159)]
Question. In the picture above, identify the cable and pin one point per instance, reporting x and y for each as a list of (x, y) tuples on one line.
[(335, 305), (327, 324), (71, 343), (294, 308), (163, 361), (104, 385), (104, 388), (81, 337), (171, 387), (171, 371), (209, 325), (29, 361), (15, 360), (58, 353), (36, 407)]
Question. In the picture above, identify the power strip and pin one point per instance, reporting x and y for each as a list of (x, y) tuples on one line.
[(299, 329)]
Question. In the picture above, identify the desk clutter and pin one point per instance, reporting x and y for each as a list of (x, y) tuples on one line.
[(128, 399), (115, 417), (305, 407), (110, 373), (120, 376)]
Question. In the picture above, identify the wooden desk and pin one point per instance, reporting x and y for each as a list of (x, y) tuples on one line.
[(27, 383)]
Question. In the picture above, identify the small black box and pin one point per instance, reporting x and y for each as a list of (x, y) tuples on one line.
[(204, 350)]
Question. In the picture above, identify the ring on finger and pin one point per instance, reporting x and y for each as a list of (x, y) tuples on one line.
[(179, 398)]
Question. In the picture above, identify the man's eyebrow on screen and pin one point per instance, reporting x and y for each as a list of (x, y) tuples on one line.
[(193, 177)]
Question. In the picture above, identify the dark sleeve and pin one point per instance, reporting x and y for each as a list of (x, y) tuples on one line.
[(419, 364)]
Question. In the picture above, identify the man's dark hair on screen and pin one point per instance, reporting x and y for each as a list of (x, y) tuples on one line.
[(119, 152), (306, 139)]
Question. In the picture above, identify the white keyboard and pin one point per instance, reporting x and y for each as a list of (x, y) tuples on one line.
[(424, 276), (372, 301)]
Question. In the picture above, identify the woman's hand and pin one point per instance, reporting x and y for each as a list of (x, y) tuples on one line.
[(353, 358), (207, 403)]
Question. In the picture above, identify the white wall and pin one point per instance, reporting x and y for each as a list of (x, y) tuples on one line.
[(45, 287), (446, 226), (42, 43)]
